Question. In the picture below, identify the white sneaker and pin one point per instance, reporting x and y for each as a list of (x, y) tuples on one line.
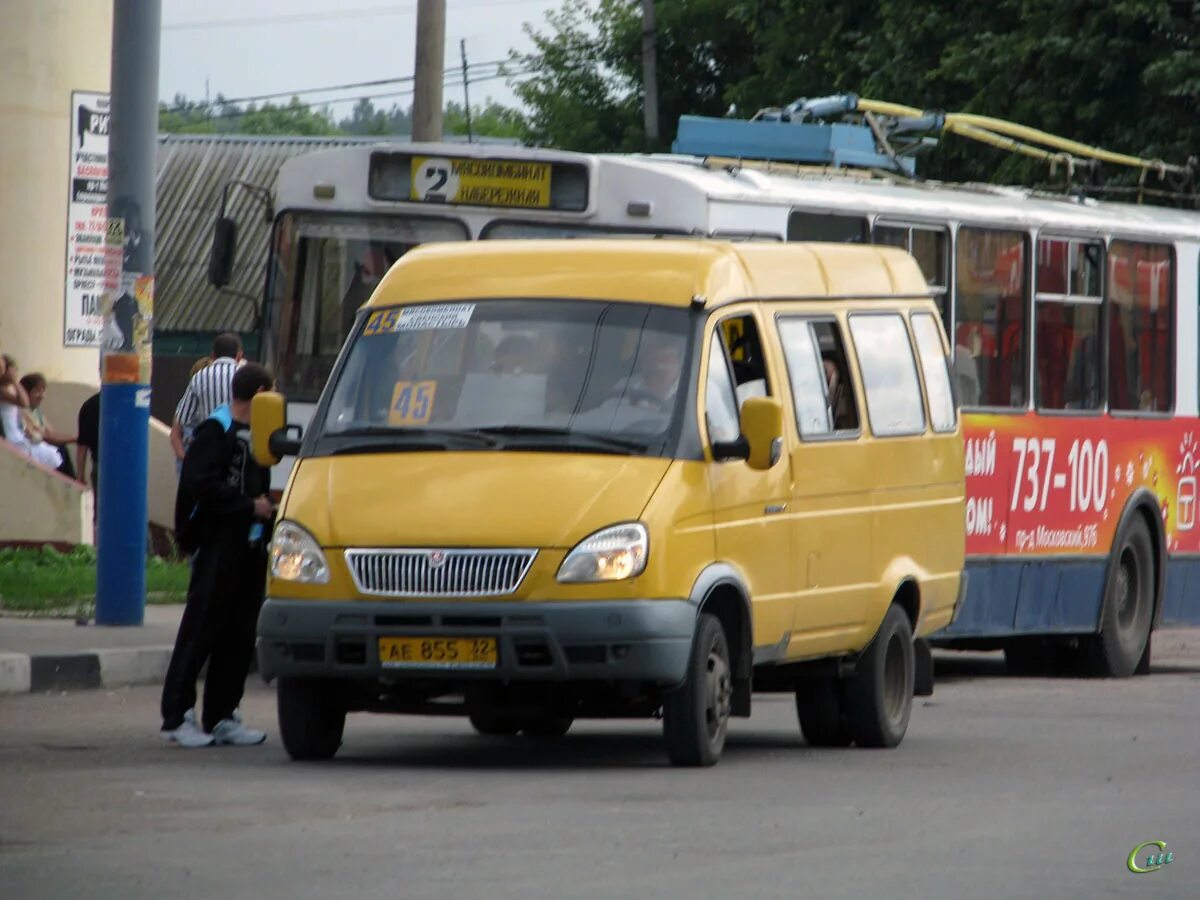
[(231, 732), (189, 734)]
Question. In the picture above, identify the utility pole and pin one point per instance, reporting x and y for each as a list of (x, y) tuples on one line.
[(430, 65), (126, 339), (649, 72), (462, 49)]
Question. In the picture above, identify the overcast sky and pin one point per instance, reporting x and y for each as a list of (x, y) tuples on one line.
[(247, 49)]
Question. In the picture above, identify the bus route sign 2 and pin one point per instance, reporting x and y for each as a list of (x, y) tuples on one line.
[(481, 182)]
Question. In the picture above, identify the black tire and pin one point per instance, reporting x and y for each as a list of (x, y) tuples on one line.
[(1128, 610), (696, 714), (547, 726), (879, 695), (1029, 656), (822, 713), (491, 724), (312, 717)]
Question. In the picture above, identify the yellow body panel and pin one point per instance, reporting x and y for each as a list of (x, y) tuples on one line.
[(822, 540)]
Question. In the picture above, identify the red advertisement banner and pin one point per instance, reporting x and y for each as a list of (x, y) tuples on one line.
[(1047, 485)]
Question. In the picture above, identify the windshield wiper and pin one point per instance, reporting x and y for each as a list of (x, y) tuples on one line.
[(565, 437), (387, 438)]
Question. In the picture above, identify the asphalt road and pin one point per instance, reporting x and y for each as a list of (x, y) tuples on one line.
[(1004, 787)]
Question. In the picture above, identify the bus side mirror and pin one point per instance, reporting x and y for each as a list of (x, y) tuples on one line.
[(762, 427), (270, 435), (224, 249)]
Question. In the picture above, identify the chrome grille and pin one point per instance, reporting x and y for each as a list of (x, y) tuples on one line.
[(438, 573)]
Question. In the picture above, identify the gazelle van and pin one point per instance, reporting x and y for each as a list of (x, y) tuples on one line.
[(557, 480)]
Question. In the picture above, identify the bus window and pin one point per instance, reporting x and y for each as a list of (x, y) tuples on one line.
[(323, 269), (992, 290), (1068, 324), (929, 245), (503, 231), (1140, 349), (806, 226)]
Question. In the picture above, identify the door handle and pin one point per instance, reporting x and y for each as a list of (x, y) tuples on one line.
[(772, 509)]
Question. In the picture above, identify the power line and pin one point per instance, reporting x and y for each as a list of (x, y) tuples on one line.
[(406, 79), (294, 18), (235, 114)]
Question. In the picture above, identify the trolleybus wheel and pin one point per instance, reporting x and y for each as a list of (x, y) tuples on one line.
[(1128, 609)]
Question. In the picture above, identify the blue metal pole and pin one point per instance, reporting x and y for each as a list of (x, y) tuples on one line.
[(126, 342)]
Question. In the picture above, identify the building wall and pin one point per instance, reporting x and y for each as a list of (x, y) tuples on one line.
[(48, 48)]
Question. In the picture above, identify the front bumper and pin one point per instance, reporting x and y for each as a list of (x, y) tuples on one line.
[(619, 640)]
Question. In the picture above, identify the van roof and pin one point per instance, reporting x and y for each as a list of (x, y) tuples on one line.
[(667, 272)]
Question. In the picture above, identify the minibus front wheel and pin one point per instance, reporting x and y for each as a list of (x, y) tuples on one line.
[(696, 714), (312, 717)]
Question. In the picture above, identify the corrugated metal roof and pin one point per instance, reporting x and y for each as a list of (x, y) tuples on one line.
[(192, 170)]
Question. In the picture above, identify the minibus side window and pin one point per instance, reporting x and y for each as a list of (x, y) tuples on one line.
[(822, 392), (745, 350), (936, 371), (720, 405), (889, 374)]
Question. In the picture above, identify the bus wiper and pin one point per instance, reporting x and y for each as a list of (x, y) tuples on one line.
[(566, 437), (408, 438)]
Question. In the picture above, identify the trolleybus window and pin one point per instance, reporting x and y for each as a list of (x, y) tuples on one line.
[(325, 268), (806, 226), (1067, 336), (992, 287), (1141, 357), (929, 245), (498, 231)]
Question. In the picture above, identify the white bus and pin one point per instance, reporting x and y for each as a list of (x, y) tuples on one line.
[(1073, 322)]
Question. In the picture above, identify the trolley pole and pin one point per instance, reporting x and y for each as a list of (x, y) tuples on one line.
[(429, 74), (125, 344)]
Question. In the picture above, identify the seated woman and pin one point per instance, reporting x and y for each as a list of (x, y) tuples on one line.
[(13, 400), (38, 428)]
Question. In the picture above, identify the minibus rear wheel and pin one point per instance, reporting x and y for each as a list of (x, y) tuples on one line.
[(879, 694), (312, 717), (696, 714)]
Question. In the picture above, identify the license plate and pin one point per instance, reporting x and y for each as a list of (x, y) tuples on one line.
[(437, 653)]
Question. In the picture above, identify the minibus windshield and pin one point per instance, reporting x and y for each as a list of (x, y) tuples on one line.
[(575, 375)]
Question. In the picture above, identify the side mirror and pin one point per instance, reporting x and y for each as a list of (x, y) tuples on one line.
[(224, 249), (270, 434), (762, 429)]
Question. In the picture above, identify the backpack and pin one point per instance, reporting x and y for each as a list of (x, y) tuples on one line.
[(189, 523)]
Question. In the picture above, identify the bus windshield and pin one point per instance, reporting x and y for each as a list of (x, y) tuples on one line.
[(324, 267), (579, 375)]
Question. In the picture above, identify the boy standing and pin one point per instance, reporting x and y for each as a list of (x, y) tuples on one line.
[(222, 514)]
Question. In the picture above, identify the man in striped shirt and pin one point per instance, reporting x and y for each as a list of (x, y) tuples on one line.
[(208, 389)]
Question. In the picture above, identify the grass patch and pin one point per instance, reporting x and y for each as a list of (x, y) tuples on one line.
[(44, 580)]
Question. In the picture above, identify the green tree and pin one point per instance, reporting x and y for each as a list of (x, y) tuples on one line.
[(490, 120), (1123, 74)]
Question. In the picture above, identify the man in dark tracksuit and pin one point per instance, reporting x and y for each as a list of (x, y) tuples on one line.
[(222, 513)]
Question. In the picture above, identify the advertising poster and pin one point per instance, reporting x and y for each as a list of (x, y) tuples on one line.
[(1042, 486), (86, 213)]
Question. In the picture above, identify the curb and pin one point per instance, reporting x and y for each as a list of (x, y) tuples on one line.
[(22, 673)]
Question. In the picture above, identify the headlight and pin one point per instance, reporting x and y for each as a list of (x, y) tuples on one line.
[(610, 554), (296, 556)]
